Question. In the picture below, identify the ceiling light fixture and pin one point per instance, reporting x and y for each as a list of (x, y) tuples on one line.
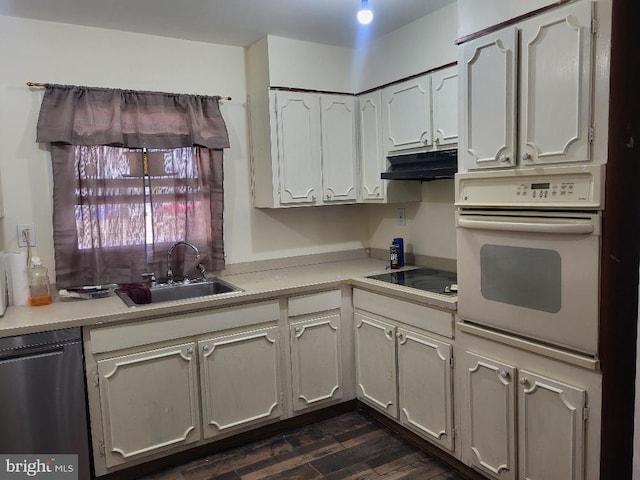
[(365, 14)]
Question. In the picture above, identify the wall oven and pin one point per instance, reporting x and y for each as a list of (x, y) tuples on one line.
[(529, 253)]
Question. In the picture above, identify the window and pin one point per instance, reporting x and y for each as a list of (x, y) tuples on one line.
[(134, 172)]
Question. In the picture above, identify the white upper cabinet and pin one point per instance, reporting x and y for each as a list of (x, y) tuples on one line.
[(313, 151), (444, 89), (339, 158), (406, 119), (372, 159), (488, 107), (550, 121), (421, 114), (297, 148), (555, 116)]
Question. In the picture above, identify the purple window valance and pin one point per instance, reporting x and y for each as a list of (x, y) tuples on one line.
[(76, 115)]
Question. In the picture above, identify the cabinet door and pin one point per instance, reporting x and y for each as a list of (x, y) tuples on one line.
[(406, 120), (550, 429), (240, 380), (444, 84), (376, 363), (488, 69), (339, 160), (299, 155), (149, 402), (491, 435), (315, 361), (555, 86), (425, 386), (372, 158)]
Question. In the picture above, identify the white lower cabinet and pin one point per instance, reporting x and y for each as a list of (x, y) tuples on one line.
[(240, 380), (149, 402), (376, 380), (529, 423), (316, 367), (425, 386), (406, 374)]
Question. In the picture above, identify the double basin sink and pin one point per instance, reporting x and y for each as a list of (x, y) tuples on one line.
[(164, 292)]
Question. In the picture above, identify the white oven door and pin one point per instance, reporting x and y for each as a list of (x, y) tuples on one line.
[(533, 274)]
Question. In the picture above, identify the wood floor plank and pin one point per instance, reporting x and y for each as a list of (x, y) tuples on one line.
[(412, 458), (302, 472), (422, 470), (236, 458), (289, 460), (351, 446), (359, 471), (355, 454)]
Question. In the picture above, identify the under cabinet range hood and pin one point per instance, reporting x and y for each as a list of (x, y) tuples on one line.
[(422, 166)]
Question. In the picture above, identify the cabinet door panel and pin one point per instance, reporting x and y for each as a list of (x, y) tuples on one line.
[(550, 429), (315, 361), (491, 407), (424, 386), (239, 380), (407, 115), (372, 158), (556, 86), (338, 148), (445, 107), (149, 402), (376, 363), (488, 69), (299, 153)]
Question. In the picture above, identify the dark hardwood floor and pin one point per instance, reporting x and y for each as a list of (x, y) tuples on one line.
[(349, 446)]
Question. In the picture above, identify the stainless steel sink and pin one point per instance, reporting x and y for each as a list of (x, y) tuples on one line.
[(183, 291)]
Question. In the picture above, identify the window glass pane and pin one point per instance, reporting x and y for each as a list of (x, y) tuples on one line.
[(110, 209), (525, 277)]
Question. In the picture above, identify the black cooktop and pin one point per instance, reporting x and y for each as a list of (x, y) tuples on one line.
[(436, 281)]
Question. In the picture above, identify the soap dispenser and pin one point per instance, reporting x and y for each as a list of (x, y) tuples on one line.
[(39, 288)]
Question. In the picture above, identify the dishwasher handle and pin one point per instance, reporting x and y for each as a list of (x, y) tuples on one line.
[(564, 226)]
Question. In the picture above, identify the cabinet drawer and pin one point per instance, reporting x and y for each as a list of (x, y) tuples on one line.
[(419, 316), (146, 332), (315, 302)]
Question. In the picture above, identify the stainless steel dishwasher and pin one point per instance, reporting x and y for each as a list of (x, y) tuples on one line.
[(42, 396)]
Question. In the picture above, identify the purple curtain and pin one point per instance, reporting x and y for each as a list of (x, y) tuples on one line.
[(133, 174)]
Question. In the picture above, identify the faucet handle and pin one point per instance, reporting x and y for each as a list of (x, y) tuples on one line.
[(150, 277), (200, 268)]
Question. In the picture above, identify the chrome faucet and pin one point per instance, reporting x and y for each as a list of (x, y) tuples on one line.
[(170, 253)]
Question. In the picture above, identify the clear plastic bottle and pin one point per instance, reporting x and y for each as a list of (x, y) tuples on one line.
[(39, 288)]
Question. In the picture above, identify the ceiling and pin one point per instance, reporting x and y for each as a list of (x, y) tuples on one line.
[(230, 22)]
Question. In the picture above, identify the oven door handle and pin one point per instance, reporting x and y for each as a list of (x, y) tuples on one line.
[(576, 227)]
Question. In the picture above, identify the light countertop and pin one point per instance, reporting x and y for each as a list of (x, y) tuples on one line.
[(255, 286)]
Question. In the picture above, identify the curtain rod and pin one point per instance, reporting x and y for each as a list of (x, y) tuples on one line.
[(38, 84)]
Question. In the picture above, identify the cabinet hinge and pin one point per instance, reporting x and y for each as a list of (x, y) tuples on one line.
[(592, 133), (102, 449), (453, 433), (594, 25), (452, 362), (96, 380), (585, 413)]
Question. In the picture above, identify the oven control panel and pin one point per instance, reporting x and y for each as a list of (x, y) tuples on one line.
[(559, 187)]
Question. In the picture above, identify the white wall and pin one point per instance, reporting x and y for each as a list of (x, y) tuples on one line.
[(422, 45), (59, 53), (308, 65)]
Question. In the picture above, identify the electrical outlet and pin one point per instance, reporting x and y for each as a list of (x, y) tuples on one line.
[(28, 227), (402, 219)]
